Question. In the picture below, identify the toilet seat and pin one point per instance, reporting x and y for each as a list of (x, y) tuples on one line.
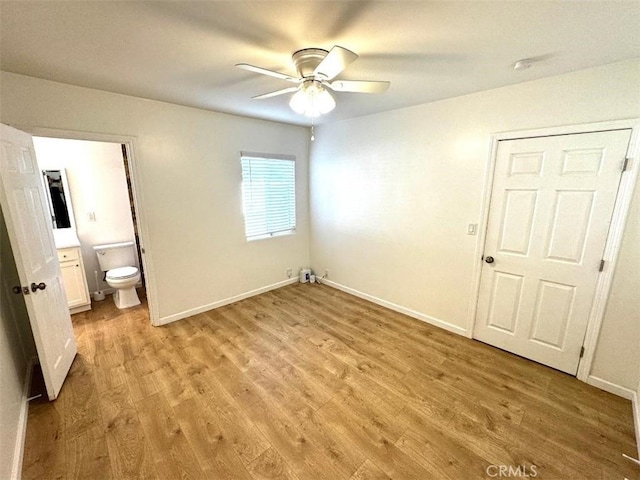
[(122, 273)]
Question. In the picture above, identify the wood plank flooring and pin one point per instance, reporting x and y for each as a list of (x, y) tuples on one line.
[(307, 382)]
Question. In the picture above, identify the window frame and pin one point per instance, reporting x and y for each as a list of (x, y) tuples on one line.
[(291, 202)]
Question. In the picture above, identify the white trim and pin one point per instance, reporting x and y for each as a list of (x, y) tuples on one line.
[(610, 387), (221, 303), (635, 403), (610, 255), (398, 308), (482, 235), (81, 308), (268, 156), (21, 435), (614, 239), (138, 198), (624, 124)]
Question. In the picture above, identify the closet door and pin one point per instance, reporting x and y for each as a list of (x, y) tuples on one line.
[(551, 206)]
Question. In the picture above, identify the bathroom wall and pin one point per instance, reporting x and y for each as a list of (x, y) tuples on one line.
[(98, 186)]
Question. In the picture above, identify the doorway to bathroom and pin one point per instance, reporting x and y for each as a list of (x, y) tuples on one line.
[(99, 193)]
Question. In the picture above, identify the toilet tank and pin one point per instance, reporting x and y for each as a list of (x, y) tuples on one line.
[(114, 255)]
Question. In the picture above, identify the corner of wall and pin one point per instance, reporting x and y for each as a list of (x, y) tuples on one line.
[(221, 303)]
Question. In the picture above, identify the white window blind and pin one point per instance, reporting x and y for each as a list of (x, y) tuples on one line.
[(268, 196)]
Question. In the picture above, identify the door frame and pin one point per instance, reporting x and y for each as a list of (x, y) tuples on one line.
[(138, 197), (614, 238)]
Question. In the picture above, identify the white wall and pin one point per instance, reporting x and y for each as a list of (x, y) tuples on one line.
[(392, 194), (16, 348), (98, 184), (188, 170)]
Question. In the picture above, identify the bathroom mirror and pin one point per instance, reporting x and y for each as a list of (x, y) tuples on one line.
[(57, 189)]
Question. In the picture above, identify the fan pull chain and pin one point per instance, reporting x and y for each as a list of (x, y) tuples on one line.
[(313, 137)]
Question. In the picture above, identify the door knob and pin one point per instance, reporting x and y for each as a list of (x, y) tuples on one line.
[(17, 289), (35, 287), (489, 259)]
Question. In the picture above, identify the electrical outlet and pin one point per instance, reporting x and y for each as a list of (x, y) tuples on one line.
[(289, 272)]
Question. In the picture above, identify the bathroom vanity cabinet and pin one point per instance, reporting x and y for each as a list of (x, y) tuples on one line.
[(74, 278), (56, 186)]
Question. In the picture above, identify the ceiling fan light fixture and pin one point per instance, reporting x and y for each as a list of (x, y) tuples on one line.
[(312, 99), (316, 70)]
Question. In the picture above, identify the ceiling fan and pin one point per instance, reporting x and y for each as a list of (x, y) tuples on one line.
[(317, 69)]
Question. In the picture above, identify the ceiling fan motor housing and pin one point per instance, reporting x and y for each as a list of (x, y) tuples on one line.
[(307, 60)]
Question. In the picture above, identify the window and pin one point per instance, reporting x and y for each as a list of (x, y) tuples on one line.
[(268, 195)]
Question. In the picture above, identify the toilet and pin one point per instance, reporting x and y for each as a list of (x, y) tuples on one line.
[(118, 260)]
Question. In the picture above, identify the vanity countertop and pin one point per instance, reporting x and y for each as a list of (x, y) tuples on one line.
[(65, 238)]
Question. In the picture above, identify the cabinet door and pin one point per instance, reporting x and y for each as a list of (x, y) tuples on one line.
[(74, 283)]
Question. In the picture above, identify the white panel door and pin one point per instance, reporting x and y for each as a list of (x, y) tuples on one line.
[(24, 207), (551, 205)]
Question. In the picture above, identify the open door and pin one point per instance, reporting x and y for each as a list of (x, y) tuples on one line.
[(30, 232)]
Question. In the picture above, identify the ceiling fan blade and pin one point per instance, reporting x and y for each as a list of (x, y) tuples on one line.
[(264, 71), (359, 86), (335, 62), (276, 93)]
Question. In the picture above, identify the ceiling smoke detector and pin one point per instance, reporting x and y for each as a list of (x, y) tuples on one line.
[(523, 64)]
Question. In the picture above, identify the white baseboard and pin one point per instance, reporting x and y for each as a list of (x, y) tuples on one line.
[(610, 387), (398, 308), (18, 452), (220, 303), (635, 402), (82, 308)]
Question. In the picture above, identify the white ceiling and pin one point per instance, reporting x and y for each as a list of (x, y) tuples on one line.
[(185, 52)]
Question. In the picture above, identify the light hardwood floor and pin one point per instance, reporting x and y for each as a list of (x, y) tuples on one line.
[(307, 382)]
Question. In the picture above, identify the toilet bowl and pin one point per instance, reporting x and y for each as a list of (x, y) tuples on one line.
[(116, 260), (124, 281)]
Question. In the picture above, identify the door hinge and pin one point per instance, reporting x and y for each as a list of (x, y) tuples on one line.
[(581, 352), (625, 164), (601, 266)]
